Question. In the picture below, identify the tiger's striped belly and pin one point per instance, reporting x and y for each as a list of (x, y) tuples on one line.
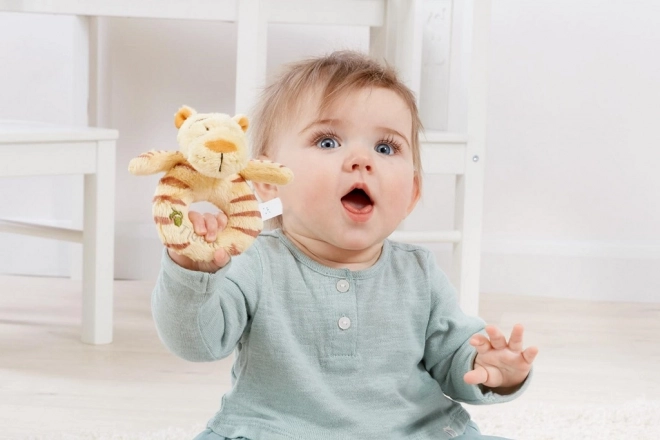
[(182, 186)]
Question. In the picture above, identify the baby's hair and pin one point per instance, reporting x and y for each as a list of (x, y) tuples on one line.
[(336, 74)]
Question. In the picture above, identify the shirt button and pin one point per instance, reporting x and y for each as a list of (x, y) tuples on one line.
[(344, 323), (343, 286)]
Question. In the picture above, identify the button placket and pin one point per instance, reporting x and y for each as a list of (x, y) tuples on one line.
[(342, 316), (344, 286)]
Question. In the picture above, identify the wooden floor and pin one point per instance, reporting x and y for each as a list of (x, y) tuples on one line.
[(51, 382)]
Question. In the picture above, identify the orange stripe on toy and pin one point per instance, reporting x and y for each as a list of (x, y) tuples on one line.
[(238, 179), (185, 165), (249, 197), (246, 214), (177, 246), (163, 220), (170, 199), (233, 250), (173, 181), (250, 232)]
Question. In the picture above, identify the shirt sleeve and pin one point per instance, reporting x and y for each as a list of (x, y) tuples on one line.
[(201, 316), (448, 354)]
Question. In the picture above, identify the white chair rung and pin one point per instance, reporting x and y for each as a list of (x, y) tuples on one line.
[(43, 231), (443, 137)]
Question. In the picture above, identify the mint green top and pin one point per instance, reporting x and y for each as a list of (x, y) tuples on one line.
[(325, 353)]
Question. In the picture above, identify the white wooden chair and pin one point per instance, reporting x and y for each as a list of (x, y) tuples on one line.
[(396, 35), (38, 149)]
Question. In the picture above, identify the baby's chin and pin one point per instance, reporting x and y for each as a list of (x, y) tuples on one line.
[(349, 237), (357, 241)]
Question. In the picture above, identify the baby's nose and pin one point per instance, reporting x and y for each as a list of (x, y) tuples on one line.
[(364, 165), (361, 161)]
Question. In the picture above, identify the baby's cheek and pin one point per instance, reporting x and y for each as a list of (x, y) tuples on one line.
[(402, 197), (296, 195)]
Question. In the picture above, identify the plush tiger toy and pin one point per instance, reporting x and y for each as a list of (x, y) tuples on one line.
[(212, 165)]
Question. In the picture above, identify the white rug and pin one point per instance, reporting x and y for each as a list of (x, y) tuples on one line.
[(639, 420)]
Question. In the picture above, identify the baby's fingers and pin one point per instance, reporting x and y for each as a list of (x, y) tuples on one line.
[(497, 339), (214, 224), (481, 343), (516, 339), (222, 220), (208, 225), (221, 257), (476, 376), (197, 220), (530, 354), (211, 223)]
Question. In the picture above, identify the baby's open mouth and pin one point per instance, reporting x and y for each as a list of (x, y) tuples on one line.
[(357, 201)]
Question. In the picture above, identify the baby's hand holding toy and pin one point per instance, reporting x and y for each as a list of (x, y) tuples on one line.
[(207, 226)]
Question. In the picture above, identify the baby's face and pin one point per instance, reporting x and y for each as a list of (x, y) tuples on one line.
[(353, 169)]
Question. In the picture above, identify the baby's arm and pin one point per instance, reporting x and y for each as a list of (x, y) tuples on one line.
[(201, 316), (448, 353)]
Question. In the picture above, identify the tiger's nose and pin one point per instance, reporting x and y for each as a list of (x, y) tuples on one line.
[(220, 146)]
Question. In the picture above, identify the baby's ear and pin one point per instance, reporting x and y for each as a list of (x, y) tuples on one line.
[(416, 194), (265, 191), (242, 120), (180, 116)]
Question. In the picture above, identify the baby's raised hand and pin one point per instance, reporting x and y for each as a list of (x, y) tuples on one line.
[(207, 226), (499, 364)]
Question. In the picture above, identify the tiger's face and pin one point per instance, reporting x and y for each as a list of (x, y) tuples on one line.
[(213, 143)]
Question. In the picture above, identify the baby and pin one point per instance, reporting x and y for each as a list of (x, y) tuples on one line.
[(338, 332)]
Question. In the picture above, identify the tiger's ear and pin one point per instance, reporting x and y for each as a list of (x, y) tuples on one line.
[(242, 120), (183, 114)]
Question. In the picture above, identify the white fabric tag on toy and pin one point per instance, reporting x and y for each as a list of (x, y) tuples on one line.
[(271, 208)]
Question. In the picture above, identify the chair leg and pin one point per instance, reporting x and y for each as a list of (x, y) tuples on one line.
[(467, 252), (470, 186), (98, 248), (251, 43), (399, 40)]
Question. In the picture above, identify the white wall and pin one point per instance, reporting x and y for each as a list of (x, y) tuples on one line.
[(571, 203), (36, 82), (572, 197)]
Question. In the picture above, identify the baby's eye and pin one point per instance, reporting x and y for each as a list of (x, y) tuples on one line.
[(384, 149), (327, 143)]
